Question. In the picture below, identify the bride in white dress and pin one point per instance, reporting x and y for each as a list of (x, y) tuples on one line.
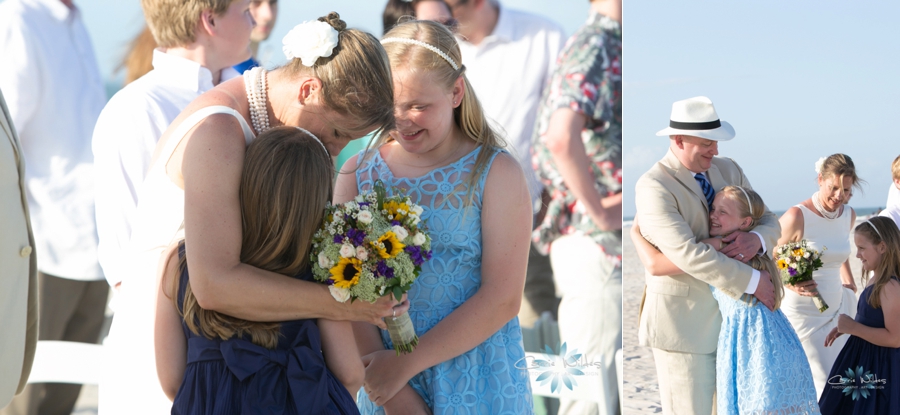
[(826, 222), (338, 86)]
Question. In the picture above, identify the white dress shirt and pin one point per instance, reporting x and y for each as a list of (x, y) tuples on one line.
[(54, 91), (509, 70), (124, 139), (893, 196)]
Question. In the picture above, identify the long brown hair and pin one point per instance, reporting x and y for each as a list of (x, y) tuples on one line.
[(285, 186), (469, 115), (748, 200), (139, 59), (879, 230)]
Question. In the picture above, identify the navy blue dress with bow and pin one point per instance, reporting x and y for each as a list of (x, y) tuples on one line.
[(235, 376)]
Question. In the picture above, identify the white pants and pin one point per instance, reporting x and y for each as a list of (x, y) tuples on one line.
[(590, 315)]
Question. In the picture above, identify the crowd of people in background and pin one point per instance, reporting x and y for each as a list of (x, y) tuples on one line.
[(461, 94)]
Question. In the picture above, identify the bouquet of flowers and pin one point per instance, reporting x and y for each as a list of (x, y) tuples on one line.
[(796, 262), (373, 246)]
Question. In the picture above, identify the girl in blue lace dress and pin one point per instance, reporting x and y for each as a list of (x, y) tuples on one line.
[(760, 364), (476, 205), (865, 377), (211, 363)]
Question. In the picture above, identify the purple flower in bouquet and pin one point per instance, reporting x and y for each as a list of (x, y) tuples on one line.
[(384, 270), (792, 271), (356, 236)]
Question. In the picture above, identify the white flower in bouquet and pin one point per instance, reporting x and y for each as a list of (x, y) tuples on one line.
[(400, 232), (365, 217), (361, 253), (418, 239), (347, 251), (417, 210), (324, 262), (339, 294)]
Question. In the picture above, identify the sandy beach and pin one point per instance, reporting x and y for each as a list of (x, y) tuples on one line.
[(641, 391)]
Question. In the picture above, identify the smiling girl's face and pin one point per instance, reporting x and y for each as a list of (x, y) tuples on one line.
[(725, 217), (867, 252)]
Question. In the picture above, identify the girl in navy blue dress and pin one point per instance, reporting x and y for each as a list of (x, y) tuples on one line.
[(865, 378), (211, 363)]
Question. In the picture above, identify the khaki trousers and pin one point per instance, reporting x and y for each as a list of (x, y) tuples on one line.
[(687, 382), (70, 310)]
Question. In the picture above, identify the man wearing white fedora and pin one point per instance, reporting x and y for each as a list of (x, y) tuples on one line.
[(679, 317)]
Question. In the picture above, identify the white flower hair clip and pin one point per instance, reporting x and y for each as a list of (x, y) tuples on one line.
[(819, 165), (310, 41)]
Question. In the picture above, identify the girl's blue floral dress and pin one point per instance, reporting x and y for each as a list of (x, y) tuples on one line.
[(760, 364), (484, 380)]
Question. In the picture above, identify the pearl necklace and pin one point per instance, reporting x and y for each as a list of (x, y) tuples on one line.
[(817, 203), (255, 85)]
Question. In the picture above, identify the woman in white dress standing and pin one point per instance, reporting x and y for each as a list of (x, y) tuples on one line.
[(826, 222), (338, 86)]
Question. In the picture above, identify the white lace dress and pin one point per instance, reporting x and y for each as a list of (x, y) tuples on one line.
[(130, 384)]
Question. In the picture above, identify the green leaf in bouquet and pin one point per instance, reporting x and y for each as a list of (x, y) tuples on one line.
[(398, 293)]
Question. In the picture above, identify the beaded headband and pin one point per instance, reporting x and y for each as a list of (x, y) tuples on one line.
[(316, 138), (749, 203), (424, 45), (873, 227)]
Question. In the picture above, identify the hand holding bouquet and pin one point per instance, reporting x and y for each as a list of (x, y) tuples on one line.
[(372, 246), (796, 262)]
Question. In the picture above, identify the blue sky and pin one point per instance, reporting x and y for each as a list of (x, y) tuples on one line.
[(797, 80), (113, 23)]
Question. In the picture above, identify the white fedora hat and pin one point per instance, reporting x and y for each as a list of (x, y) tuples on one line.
[(697, 117)]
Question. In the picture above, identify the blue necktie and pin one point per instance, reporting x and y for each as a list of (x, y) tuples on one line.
[(707, 188)]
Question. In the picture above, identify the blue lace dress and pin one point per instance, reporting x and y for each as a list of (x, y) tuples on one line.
[(760, 364), (483, 380), (865, 378)]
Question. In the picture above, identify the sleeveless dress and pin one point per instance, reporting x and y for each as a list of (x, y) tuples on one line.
[(235, 376), (810, 325), (130, 384), (760, 364), (875, 384), (483, 380)]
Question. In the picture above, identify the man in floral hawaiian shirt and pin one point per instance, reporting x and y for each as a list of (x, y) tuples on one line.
[(577, 153)]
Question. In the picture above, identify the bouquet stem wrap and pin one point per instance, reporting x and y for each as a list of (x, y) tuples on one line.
[(402, 332)]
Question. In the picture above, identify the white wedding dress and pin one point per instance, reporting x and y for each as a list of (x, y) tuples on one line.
[(130, 384), (811, 325)]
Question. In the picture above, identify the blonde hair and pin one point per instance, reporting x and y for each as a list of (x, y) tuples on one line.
[(139, 59), (174, 22), (840, 166), (748, 201), (285, 186), (356, 78), (895, 169), (877, 230), (468, 116)]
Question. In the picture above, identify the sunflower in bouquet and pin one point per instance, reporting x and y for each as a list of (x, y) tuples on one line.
[(371, 246), (796, 262)]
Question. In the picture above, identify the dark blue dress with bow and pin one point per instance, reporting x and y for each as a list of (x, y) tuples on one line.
[(235, 376), (865, 378)]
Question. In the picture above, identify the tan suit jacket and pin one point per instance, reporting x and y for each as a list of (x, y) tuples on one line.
[(679, 312), (18, 267)]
